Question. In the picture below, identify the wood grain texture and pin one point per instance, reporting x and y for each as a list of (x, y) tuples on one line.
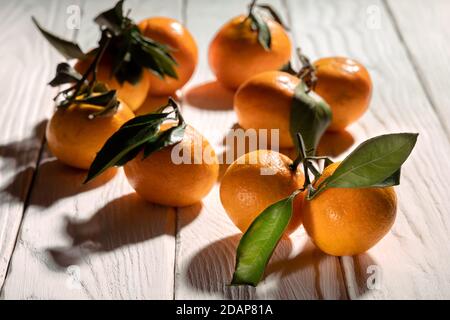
[(207, 239), (25, 106), (423, 27), (101, 241), (411, 259), (95, 241)]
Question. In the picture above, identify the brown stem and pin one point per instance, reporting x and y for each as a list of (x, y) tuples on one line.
[(251, 7), (307, 73)]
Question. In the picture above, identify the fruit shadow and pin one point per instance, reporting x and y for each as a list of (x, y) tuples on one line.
[(210, 96), (124, 221), (53, 181), (211, 269)]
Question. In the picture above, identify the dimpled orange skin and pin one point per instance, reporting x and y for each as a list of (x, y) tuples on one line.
[(172, 33), (75, 139), (264, 102), (235, 55), (159, 180), (346, 86), (245, 192), (346, 222), (132, 94)]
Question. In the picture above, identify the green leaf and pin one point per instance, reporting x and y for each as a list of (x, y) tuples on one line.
[(65, 74), (139, 133), (310, 116), (153, 56), (112, 19), (264, 36), (68, 49), (375, 162), (260, 240), (392, 180), (101, 100)]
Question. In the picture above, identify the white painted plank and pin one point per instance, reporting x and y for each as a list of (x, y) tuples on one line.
[(424, 28), (207, 239), (414, 257), (27, 64), (93, 242)]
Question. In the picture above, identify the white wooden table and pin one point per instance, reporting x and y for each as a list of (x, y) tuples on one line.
[(59, 239)]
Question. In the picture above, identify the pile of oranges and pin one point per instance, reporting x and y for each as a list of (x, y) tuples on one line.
[(249, 55)]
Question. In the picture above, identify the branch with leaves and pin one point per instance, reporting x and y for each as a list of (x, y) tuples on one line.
[(375, 163), (130, 51), (141, 133)]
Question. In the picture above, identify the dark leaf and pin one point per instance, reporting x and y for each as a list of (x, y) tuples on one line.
[(288, 69), (112, 19), (141, 132), (153, 56), (99, 100), (65, 74), (264, 36), (167, 138), (260, 240), (375, 162), (274, 14), (310, 116), (119, 145), (68, 49)]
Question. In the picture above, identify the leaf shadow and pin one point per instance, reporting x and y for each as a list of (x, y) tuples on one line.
[(210, 96), (124, 221), (210, 270), (54, 181), (20, 153)]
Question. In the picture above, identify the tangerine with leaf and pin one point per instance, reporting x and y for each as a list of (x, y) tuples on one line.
[(346, 210), (248, 45), (281, 101), (165, 160), (182, 46), (128, 55), (87, 115), (256, 180)]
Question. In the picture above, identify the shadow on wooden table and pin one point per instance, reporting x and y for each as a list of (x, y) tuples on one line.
[(19, 152), (55, 181), (211, 96), (123, 221), (211, 269)]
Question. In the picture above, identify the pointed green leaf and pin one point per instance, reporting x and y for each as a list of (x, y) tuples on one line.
[(65, 74), (260, 240), (68, 49), (375, 162), (140, 133), (274, 14), (101, 100), (264, 36), (310, 116)]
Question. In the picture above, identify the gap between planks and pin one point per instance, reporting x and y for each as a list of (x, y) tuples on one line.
[(415, 67), (30, 188)]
